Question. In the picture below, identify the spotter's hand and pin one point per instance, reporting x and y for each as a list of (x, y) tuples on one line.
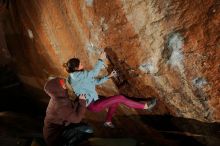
[(82, 96)]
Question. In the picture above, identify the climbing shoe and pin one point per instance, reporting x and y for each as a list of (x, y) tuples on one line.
[(151, 103), (109, 124)]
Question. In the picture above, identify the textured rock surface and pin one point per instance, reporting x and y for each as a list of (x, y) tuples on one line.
[(169, 49)]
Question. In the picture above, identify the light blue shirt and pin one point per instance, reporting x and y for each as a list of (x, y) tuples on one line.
[(84, 82)]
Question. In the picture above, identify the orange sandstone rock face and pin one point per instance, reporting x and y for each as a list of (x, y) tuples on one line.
[(168, 49)]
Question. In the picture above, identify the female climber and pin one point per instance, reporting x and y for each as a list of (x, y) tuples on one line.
[(84, 82)]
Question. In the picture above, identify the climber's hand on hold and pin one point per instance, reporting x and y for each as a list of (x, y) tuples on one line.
[(102, 55), (113, 74)]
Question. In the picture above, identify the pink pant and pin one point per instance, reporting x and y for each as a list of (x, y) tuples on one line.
[(112, 103)]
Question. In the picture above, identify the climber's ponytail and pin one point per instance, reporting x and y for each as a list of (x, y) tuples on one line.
[(71, 65)]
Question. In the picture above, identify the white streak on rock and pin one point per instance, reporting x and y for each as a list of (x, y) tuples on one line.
[(89, 3), (175, 44), (148, 67), (199, 82), (30, 34)]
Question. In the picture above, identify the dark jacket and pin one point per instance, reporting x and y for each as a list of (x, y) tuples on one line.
[(61, 111)]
